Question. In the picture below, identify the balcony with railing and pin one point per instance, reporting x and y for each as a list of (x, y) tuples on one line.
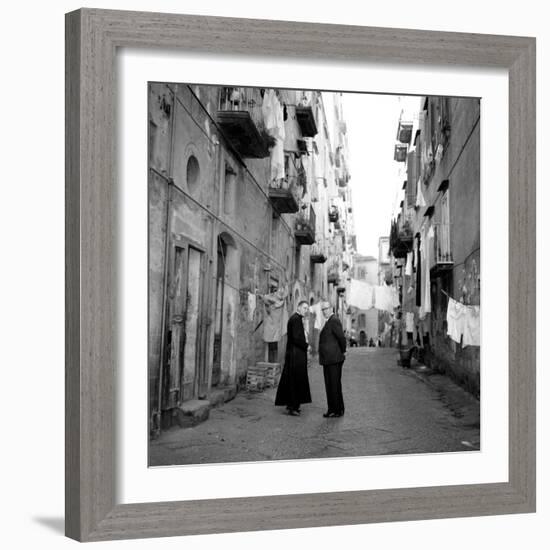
[(285, 194), (240, 117), (305, 114), (333, 273), (400, 153), (333, 214), (343, 180), (318, 254), (284, 198), (401, 239), (304, 229), (404, 131), (443, 257)]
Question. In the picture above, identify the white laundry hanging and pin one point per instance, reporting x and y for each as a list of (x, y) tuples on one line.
[(361, 294)]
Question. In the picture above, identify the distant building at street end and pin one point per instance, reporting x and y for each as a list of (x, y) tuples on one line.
[(365, 321)]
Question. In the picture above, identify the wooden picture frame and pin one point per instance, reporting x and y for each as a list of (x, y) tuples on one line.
[(92, 39)]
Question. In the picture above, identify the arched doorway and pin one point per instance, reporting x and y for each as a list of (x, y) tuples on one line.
[(227, 280), (362, 338)]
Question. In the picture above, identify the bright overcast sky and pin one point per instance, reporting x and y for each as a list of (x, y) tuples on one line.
[(372, 127)]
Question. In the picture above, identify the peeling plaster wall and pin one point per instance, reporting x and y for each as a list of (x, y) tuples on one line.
[(460, 165), (229, 198)]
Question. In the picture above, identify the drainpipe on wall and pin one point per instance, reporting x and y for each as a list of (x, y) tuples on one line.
[(211, 279), (158, 412)]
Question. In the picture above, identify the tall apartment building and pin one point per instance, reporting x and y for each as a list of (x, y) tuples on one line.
[(437, 227), (243, 187)]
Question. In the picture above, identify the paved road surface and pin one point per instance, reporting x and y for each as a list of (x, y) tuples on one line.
[(389, 410)]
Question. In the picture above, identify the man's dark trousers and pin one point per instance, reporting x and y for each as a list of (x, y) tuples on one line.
[(333, 385)]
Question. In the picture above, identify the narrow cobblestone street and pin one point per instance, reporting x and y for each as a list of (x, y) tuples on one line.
[(389, 410)]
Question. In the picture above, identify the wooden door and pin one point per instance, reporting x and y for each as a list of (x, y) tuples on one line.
[(175, 333), (183, 324), (192, 324)]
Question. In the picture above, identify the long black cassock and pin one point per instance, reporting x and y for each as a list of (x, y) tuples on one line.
[(294, 384)]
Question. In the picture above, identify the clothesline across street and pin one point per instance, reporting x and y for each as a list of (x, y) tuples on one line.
[(451, 298)]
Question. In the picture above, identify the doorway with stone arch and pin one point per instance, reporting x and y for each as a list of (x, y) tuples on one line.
[(226, 302)]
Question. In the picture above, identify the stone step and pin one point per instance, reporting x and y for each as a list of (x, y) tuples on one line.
[(219, 396), (192, 412)]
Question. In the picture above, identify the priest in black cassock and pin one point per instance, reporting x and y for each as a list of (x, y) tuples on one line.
[(293, 387)]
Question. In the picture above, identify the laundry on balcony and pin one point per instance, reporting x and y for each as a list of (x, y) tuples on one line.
[(401, 238), (305, 114), (284, 196), (404, 131), (333, 273), (400, 153), (304, 229), (273, 117), (240, 117), (318, 254)]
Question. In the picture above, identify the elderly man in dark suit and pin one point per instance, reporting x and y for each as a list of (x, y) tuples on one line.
[(293, 387), (332, 348)]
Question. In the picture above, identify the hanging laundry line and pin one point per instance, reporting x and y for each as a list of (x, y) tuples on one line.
[(451, 298), (463, 322)]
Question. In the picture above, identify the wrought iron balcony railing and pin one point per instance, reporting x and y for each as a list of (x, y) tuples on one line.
[(284, 198), (404, 132), (304, 231), (443, 256), (305, 113), (240, 117), (400, 153), (333, 214), (318, 254)]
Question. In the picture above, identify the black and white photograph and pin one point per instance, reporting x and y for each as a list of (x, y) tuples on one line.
[(314, 274), (283, 259)]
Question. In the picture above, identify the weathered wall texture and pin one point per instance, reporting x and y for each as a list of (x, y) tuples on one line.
[(461, 166), (455, 178), (217, 245)]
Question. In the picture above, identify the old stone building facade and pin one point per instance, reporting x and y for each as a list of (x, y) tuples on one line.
[(435, 237), (249, 213), (365, 321)]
